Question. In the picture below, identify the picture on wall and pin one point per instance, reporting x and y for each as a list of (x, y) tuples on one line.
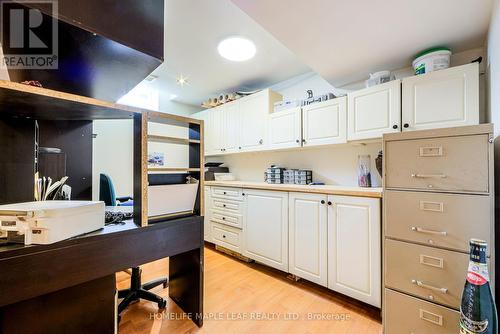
[(156, 159)]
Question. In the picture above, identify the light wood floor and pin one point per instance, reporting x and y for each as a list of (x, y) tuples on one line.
[(234, 290)]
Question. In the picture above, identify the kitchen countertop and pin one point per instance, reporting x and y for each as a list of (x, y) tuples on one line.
[(316, 189)]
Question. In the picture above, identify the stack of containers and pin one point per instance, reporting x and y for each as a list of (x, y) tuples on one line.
[(303, 176), (274, 174), (289, 176)]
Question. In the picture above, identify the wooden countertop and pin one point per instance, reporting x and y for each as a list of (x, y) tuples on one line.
[(326, 189)]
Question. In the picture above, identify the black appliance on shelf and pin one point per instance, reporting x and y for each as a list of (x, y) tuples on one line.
[(214, 167)]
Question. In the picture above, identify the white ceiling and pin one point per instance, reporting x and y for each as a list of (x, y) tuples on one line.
[(193, 30), (344, 40)]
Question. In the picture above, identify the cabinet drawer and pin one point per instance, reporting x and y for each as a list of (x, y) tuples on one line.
[(235, 194), (443, 220), (228, 206), (233, 220), (226, 237), (433, 274), (405, 314), (447, 163)]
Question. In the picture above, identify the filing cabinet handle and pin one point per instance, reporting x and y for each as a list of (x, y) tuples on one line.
[(428, 176), (430, 287), (423, 230)]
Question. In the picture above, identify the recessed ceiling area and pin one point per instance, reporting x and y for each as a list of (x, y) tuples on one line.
[(193, 31), (344, 40)]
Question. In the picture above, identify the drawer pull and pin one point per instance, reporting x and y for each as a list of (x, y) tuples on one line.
[(423, 230), (431, 206), (430, 287), (431, 261), (428, 176), (433, 318), (436, 151)]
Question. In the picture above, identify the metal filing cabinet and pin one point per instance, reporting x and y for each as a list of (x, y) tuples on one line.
[(438, 194)]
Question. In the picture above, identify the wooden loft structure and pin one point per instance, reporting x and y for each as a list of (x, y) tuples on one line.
[(23, 103)]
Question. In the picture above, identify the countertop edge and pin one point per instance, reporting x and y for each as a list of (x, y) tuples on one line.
[(338, 190)]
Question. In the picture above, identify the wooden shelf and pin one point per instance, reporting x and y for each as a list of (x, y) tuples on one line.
[(174, 140), (164, 118), (173, 169)]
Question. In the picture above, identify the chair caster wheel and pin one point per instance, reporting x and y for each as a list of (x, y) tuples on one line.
[(162, 304)]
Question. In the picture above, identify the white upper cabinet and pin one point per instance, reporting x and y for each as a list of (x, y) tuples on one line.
[(266, 228), (231, 127), (308, 237), (254, 113), (445, 98), (325, 122), (373, 111), (354, 255), (216, 131), (285, 128)]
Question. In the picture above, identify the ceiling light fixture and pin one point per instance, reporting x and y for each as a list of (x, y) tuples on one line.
[(237, 49), (181, 80)]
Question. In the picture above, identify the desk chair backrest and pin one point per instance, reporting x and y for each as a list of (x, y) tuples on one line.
[(107, 190)]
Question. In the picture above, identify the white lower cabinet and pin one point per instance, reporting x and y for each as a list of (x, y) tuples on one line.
[(308, 237), (354, 251), (333, 241), (265, 237), (207, 214)]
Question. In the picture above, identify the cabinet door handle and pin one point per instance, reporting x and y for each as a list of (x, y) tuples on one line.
[(297, 141), (304, 141), (261, 142), (395, 126), (429, 287), (428, 176), (406, 125), (329, 203), (423, 230), (322, 202)]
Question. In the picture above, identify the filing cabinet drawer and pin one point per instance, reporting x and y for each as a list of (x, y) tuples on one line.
[(233, 220), (429, 273), (446, 163), (228, 206), (235, 194), (437, 219), (405, 314), (226, 237)]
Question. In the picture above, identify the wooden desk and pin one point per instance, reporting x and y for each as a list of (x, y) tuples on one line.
[(69, 286)]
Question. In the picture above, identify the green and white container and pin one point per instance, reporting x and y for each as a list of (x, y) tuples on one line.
[(430, 60)]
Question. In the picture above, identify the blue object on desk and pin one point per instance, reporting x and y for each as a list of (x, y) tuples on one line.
[(107, 193), (316, 184)]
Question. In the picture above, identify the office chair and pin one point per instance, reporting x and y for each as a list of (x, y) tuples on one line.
[(137, 290), (107, 193)]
